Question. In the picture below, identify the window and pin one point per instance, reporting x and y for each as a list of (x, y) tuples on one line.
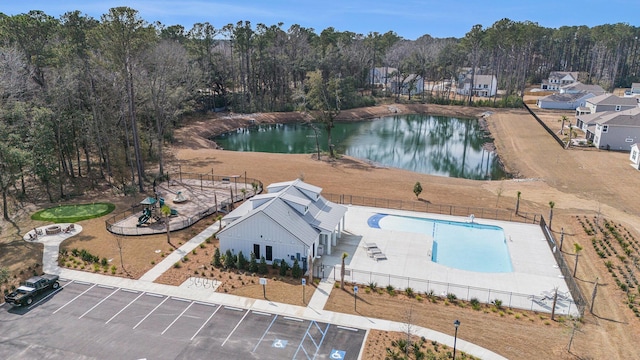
[(269, 255), (605, 128), (256, 250), (618, 107), (628, 140)]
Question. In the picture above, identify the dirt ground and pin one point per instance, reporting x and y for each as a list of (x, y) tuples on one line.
[(578, 181)]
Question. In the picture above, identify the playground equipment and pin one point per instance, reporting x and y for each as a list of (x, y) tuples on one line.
[(146, 215), (180, 198), (174, 212)]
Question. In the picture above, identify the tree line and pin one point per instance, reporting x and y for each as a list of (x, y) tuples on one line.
[(85, 101)]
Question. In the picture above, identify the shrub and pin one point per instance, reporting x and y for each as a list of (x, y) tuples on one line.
[(391, 290), (216, 258), (104, 262), (497, 303), (284, 267), (452, 297), (177, 265), (262, 267), (241, 261), (296, 271), (475, 304), (228, 260), (253, 264), (409, 292)]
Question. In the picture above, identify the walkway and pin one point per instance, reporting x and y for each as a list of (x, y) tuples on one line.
[(314, 310)]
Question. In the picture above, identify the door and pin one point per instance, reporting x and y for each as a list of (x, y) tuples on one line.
[(269, 255), (256, 251)]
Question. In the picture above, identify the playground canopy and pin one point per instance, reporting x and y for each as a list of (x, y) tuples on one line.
[(148, 201)]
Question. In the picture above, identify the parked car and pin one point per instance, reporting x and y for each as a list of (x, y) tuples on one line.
[(25, 294)]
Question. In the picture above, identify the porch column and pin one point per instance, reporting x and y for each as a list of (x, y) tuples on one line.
[(333, 238), (328, 243)]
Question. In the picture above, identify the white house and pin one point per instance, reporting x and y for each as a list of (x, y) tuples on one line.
[(608, 102), (382, 76), (617, 130), (483, 85), (412, 84), (291, 221), (557, 79), (635, 156), (567, 101)]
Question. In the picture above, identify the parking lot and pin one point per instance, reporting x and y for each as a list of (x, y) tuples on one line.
[(84, 321)]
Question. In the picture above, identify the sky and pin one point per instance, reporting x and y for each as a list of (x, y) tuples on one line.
[(409, 19)]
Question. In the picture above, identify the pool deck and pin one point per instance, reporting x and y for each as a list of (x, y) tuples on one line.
[(408, 255)]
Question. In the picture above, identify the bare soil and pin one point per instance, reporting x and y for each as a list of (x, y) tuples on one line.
[(579, 182)]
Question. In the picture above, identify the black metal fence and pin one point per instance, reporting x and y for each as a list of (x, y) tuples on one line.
[(574, 289), (553, 134), (425, 287), (454, 210)]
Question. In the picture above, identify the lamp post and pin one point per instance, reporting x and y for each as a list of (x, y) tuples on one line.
[(456, 324)]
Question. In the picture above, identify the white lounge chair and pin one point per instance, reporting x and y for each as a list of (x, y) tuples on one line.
[(370, 245)]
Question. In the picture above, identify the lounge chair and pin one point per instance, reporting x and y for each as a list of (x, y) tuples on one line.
[(370, 245), (373, 251), (379, 256)]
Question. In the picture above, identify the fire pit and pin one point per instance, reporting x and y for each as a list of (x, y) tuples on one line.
[(52, 230)]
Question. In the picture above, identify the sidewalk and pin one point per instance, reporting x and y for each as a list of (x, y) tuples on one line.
[(313, 311)]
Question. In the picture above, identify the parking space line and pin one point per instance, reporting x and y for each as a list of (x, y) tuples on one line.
[(83, 283), (204, 303), (326, 330), (347, 328), (181, 299), (178, 317), (155, 295), (203, 324), (130, 291), (261, 313), (100, 302), (105, 286), (302, 341), (151, 312), (233, 308), (264, 334), (72, 300), (45, 298), (234, 329), (293, 319), (124, 308)]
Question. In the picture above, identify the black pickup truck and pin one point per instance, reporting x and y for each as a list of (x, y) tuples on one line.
[(31, 288)]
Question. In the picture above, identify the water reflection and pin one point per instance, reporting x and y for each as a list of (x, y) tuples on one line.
[(436, 145)]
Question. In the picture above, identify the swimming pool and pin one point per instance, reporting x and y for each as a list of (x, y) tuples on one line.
[(466, 246)]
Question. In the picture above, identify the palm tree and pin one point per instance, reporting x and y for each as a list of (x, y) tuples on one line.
[(344, 256), (551, 205), (166, 211), (577, 248)]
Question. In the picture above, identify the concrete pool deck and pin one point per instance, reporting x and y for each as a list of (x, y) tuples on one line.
[(408, 259)]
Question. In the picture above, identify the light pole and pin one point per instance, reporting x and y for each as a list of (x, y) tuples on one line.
[(456, 324)]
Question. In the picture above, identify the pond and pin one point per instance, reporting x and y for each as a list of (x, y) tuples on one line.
[(435, 145)]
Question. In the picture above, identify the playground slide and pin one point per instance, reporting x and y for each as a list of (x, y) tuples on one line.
[(146, 215)]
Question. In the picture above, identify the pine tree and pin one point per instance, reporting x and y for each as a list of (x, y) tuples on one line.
[(262, 267), (216, 258), (296, 271)]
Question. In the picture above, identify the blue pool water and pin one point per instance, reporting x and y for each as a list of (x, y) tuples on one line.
[(460, 245)]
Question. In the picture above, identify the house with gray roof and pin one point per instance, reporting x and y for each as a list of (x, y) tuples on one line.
[(292, 221), (579, 87), (610, 102), (567, 101), (617, 130), (557, 79)]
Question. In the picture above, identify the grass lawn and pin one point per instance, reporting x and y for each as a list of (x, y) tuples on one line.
[(73, 213)]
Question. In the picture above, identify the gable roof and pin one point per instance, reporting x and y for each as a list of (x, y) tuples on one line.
[(295, 205), (565, 97), (578, 86), (562, 74), (479, 79), (610, 99), (629, 117)]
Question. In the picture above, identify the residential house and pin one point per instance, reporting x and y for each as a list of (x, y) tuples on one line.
[(557, 79), (635, 89), (617, 130), (579, 87), (381, 76), (607, 102), (411, 85), (292, 221), (634, 156), (567, 101), (483, 85)]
